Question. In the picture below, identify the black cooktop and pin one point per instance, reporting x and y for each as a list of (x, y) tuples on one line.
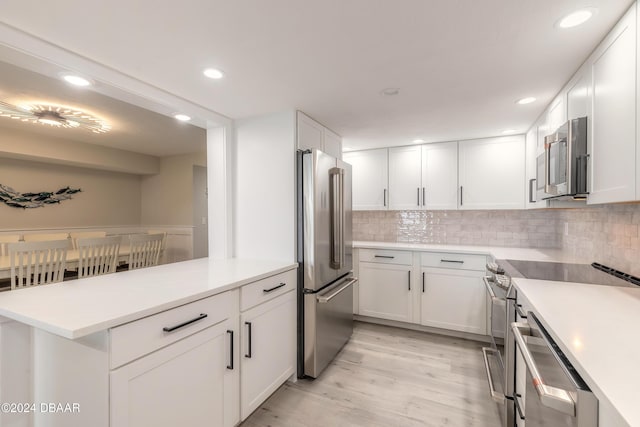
[(595, 273)]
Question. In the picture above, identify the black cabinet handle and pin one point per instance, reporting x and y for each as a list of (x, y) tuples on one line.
[(418, 196), (266, 291), (230, 365), (384, 197), (424, 198), (461, 195), (455, 261), (384, 256), (423, 282), (248, 355), (409, 277), (182, 325)]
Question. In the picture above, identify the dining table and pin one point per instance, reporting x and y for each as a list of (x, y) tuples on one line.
[(73, 256)]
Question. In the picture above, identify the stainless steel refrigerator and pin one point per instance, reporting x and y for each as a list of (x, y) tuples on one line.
[(325, 277)]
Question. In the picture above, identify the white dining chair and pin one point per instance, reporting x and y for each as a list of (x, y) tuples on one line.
[(98, 255), (164, 237), (85, 235), (144, 250), (5, 240), (37, 263)]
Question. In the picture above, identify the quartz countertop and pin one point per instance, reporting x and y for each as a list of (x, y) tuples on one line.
[(497, 252), (596, 327), (81, 307)]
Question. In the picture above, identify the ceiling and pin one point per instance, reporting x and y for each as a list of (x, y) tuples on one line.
[(460, 65), (132, 128)]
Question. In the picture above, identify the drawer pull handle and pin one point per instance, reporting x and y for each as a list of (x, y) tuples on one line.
[(384, 256), (266, 291), (248, 355), (409, 278), (230, 365), (423, 282), (452, 260), (182, 325)]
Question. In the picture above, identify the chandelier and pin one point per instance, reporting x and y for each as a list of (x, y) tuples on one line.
[(54, 115)]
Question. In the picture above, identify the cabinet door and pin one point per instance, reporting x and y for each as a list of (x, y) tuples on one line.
[(491, 173), (385, 291), (268, 354), (613, 150), (557, 113), (453, 299), (440, 175), (188, 383), (310, 133), (405, 177), (369, 178), (579, 95), (531, 143), (332, 144)]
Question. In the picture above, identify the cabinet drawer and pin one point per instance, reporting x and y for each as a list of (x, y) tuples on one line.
[(384, 256), (266, 289), (453, 260), (133, 340)]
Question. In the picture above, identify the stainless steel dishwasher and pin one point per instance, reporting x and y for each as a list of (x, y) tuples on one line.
[(556, 395)]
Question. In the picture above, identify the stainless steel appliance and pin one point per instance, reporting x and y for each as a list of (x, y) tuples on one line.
[(556, 395), (565, 162), (499, 358), (325, 278)]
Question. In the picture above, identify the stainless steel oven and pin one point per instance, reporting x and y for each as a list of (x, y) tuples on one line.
[(499, 358), (556, 395)]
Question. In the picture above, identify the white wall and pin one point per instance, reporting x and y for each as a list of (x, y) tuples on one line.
[(167, 197), (107, 198), (264, 196), (31, 146)]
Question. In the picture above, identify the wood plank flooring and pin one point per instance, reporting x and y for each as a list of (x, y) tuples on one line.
[(387, 377)]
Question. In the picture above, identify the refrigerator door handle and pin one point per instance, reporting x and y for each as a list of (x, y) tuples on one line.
[(323, 299), (336, 176)]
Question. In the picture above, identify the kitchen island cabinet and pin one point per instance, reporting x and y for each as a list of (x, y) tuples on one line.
[(157, 346)]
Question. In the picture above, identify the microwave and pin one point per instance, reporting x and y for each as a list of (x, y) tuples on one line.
[(561, 171)]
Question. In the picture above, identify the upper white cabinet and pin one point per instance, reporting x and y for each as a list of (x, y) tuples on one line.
[(613, 154), (491, 173), (531, 157), (579, 95), (369, 178), (440, 175), (405, 177), (312, 134), (557, 113)]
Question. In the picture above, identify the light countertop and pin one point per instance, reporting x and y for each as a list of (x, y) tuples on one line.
[(596, 327), (81, 307), (527, 254)]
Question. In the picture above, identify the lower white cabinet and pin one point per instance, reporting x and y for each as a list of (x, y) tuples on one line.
[(385, 290), (268, 350), (454, 300), (190, 383), (435, 289)]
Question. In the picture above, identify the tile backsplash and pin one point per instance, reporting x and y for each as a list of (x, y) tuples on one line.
[(533, 228), (609, 234)]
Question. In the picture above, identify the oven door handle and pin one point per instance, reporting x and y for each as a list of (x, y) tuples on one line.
[(551, 397), (495, 395), (492, 295)]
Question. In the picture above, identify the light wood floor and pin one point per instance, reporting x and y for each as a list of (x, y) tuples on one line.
[(389, 377)]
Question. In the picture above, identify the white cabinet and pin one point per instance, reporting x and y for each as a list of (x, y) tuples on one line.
[(369, 178), (531, 157), (453, 299), (557, 112), (268, 342), (312, 134), (185, 383), (385, 288), (440, 176), (613, 153), (492, 172), (579, 95), (405, 177)]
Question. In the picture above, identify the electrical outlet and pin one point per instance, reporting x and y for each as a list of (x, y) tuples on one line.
[(566, 228)]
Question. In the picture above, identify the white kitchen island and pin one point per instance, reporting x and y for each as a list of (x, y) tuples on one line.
[(158, 346)]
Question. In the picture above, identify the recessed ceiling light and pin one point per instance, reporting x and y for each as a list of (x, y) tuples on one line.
[(576, 18), (390, 91), (213, 73), (509, 131), (182, 117), (525, 101), (418, 141), (76, 80)]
